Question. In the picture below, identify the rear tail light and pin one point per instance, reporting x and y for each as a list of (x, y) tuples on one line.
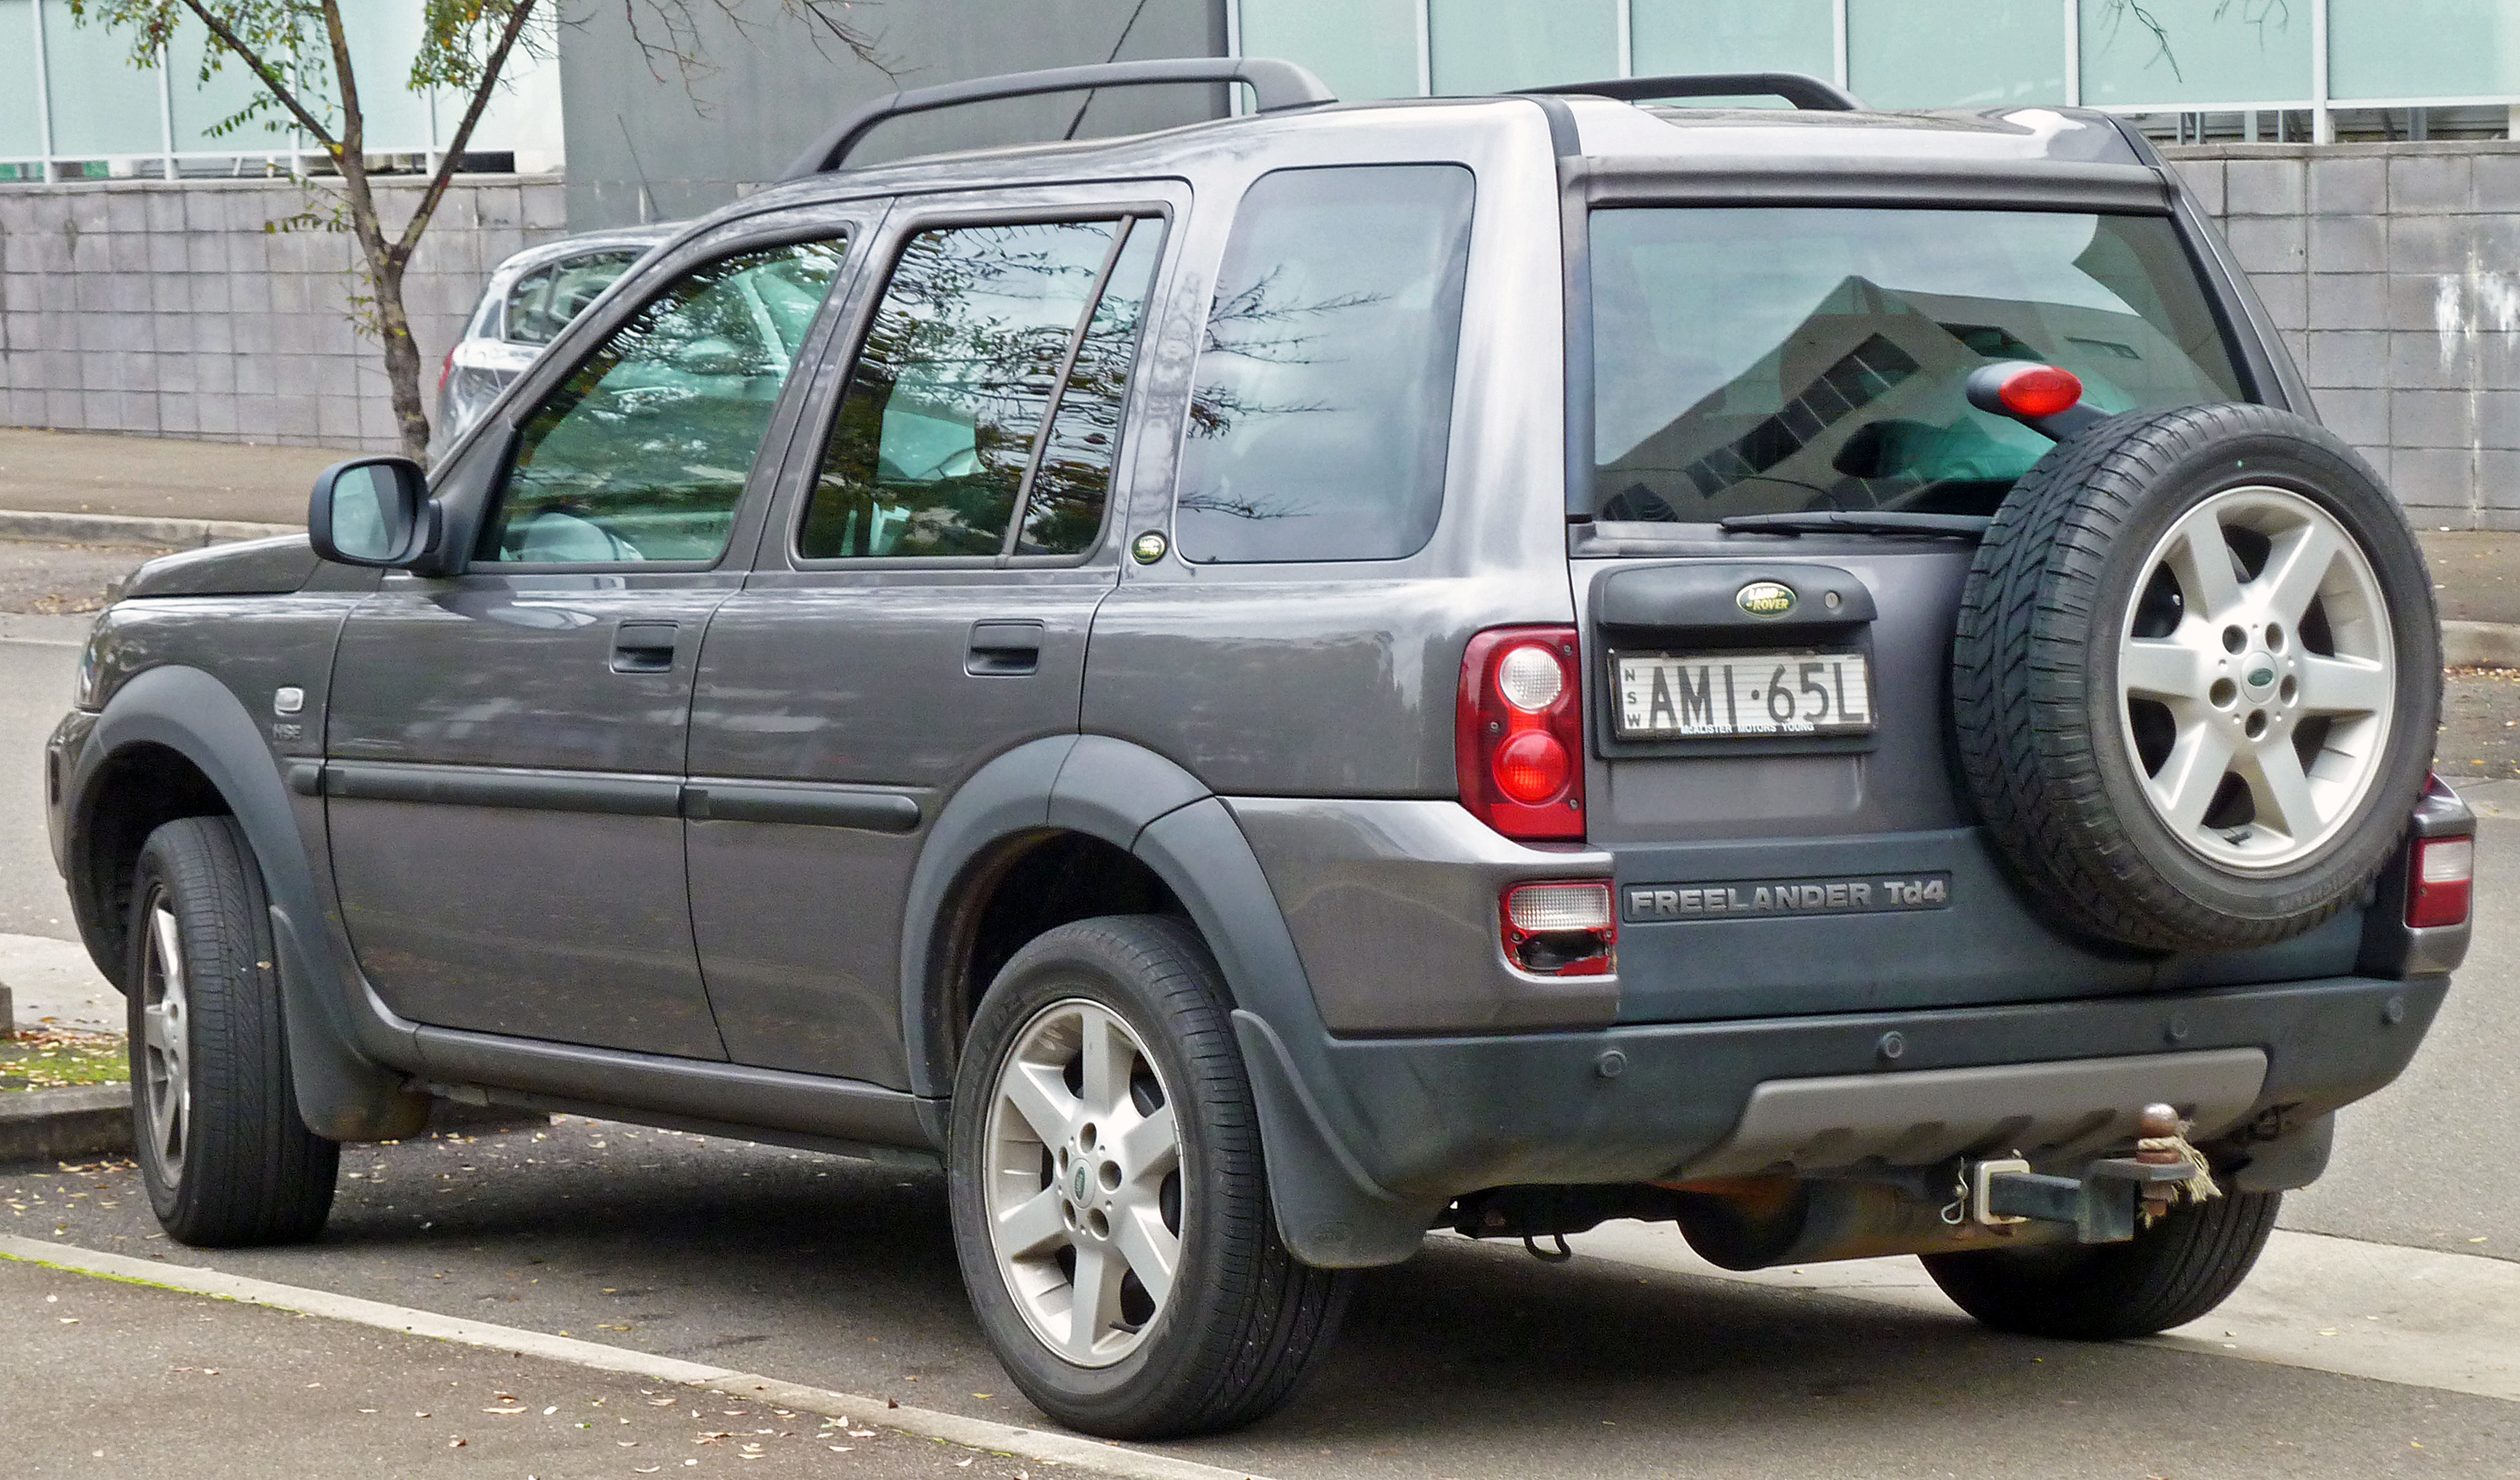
[(2439, 878), (1518, 742), (1561, 929), (446, 371)]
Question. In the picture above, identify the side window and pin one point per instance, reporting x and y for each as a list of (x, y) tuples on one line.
[(642, 453), (544, 301), (1324, 387), (991, 382)]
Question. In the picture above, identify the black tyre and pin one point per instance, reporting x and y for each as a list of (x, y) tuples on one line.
[(2196, 678), (226, 1157), (1110, 1210), (2167, 1275)]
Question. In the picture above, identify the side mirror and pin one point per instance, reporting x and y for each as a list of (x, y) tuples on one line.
[(372, 512)]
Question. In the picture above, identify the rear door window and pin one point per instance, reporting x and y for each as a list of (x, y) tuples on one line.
[(545, 300), (1756, 359), (1325, 385), (982, 418)]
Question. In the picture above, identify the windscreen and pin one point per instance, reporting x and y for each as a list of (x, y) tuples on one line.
[(1759, 359)]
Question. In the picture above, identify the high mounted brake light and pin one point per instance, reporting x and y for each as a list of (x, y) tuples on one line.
[(1518, 737)]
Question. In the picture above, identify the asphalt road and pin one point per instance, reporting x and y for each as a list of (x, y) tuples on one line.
[(35, 680), (1473, 1362)]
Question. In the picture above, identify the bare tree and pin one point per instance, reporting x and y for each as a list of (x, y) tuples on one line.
[(298, 55)]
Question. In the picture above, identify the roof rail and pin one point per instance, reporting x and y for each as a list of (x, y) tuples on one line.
[(1273, 84), (1797, 88)]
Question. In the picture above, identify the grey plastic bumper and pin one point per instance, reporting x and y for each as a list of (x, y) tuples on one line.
[(1385, 1132)]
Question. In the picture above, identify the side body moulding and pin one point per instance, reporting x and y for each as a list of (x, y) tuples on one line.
[(343, 1092), (1330, 1212)]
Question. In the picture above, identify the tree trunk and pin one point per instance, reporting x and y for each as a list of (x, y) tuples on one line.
[(402, 362)]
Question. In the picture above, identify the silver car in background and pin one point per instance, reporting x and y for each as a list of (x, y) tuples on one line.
[(529, 298)]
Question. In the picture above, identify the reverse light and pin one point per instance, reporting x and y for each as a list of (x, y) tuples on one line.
[(2439, 879), (1561, 929), (1518, 737)]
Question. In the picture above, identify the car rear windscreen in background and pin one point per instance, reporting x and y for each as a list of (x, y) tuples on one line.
[(1762, 359)]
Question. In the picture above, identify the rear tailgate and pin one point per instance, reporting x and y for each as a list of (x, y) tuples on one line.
[(1782, 873)]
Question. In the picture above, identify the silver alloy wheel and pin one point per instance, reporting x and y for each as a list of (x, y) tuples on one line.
[(1082, 1182), (2256, 675), (165, 1041)]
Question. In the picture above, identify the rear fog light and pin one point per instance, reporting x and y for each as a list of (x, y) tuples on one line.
[(2438, 882), (1561, 929)]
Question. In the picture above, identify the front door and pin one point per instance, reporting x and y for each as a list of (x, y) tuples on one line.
[(920, 607), (504, 747)]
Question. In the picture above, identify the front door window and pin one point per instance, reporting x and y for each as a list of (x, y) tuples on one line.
[(642, 452)]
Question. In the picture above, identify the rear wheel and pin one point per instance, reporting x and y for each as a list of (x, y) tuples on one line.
[(226, 1157), (1110, 1207), (2168, 1275)]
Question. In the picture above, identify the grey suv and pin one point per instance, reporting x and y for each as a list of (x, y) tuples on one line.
[(1252, 692)]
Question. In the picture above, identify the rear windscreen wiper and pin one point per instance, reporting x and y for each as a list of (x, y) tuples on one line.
[(1958, 527)]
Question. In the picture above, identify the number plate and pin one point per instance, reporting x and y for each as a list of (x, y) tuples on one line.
[(1665, 695)]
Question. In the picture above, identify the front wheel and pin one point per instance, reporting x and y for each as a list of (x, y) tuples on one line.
[(2168, 1275), (1110, 1206), (225, 1155)]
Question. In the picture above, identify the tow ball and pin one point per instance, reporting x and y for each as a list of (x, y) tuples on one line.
[(2111, 1200)]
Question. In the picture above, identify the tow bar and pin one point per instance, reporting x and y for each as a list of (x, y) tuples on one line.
[(2114, 1197)]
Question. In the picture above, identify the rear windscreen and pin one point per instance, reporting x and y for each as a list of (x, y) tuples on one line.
[(1755, 360)]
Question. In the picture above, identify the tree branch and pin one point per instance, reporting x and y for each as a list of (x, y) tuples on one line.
[(287, 97), (438, 183)]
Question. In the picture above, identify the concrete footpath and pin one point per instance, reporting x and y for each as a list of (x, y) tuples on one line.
[(111, 1376)]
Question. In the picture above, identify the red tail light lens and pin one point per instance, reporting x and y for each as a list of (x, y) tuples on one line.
[(1518, 741), (447, 370), (1561, 929), (2439, 880)]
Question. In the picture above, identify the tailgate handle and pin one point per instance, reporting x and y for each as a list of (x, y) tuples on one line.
[(1003, 647)]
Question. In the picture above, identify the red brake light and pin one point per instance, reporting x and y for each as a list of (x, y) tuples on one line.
[(2041, 391), (2440, 878), (1518, 741), (447, 370)]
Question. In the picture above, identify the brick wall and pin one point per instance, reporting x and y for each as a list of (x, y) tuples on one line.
[(2393, 271), (165, 308)]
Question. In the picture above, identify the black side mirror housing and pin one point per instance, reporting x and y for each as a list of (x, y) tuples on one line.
[(374, 511)]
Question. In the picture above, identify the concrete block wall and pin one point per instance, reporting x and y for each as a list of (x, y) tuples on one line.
[(165, 308), (2394, 272)]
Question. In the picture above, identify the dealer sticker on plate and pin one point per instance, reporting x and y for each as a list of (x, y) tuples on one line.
[(1671, 695)]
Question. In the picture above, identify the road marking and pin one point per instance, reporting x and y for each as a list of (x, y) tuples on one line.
[(2412, 1317), (1093, 1455)]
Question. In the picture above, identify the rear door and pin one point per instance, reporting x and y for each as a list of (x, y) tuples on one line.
[(504, 747), (921, 600), (1771, 726)]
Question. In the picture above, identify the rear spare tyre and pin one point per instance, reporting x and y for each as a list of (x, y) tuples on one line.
[(2196, 678)]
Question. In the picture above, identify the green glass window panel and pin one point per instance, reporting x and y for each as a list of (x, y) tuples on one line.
[(384, 39), (2248, 51), (1063, 512), (1361, 48), (102, 104), (201, 107), (936, 430), (1956, 53), (2424, 49), (1488, 46), (22, 129), (1733, 36), (642, 452)]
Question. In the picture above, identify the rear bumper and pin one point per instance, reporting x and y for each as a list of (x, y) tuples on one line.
[(1414, 1122)]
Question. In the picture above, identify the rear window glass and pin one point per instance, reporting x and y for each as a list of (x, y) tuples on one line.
[(1324, 395), (1754, 360)]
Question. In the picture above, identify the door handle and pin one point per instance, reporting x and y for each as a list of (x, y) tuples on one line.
[(1003, 647), (643, 646)]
